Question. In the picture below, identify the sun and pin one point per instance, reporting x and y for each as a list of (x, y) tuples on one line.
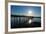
[(29, 12)]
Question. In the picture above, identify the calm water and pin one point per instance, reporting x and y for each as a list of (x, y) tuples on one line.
[(23, 22)]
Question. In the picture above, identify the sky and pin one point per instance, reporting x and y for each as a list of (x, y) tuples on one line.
[(26, 10)]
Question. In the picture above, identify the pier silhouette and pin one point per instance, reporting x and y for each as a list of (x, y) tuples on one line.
[(22, 23)]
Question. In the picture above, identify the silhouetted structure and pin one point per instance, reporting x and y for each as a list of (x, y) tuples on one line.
[(19, 23)]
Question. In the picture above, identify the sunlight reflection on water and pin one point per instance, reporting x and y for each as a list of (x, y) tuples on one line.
[(24, 20)]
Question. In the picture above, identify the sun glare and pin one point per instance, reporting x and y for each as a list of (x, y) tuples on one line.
[(29, 12), (30, 21)]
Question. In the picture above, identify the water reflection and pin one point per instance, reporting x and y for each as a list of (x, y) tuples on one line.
[(23, 22), (30, 21)]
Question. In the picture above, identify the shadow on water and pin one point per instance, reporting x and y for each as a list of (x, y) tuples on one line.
[(23, 21)]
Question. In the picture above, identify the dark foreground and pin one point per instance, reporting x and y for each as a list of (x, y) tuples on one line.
[(23, 22)]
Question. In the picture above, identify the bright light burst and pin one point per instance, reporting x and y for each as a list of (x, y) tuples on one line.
[(29, 12), (30, 21)]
